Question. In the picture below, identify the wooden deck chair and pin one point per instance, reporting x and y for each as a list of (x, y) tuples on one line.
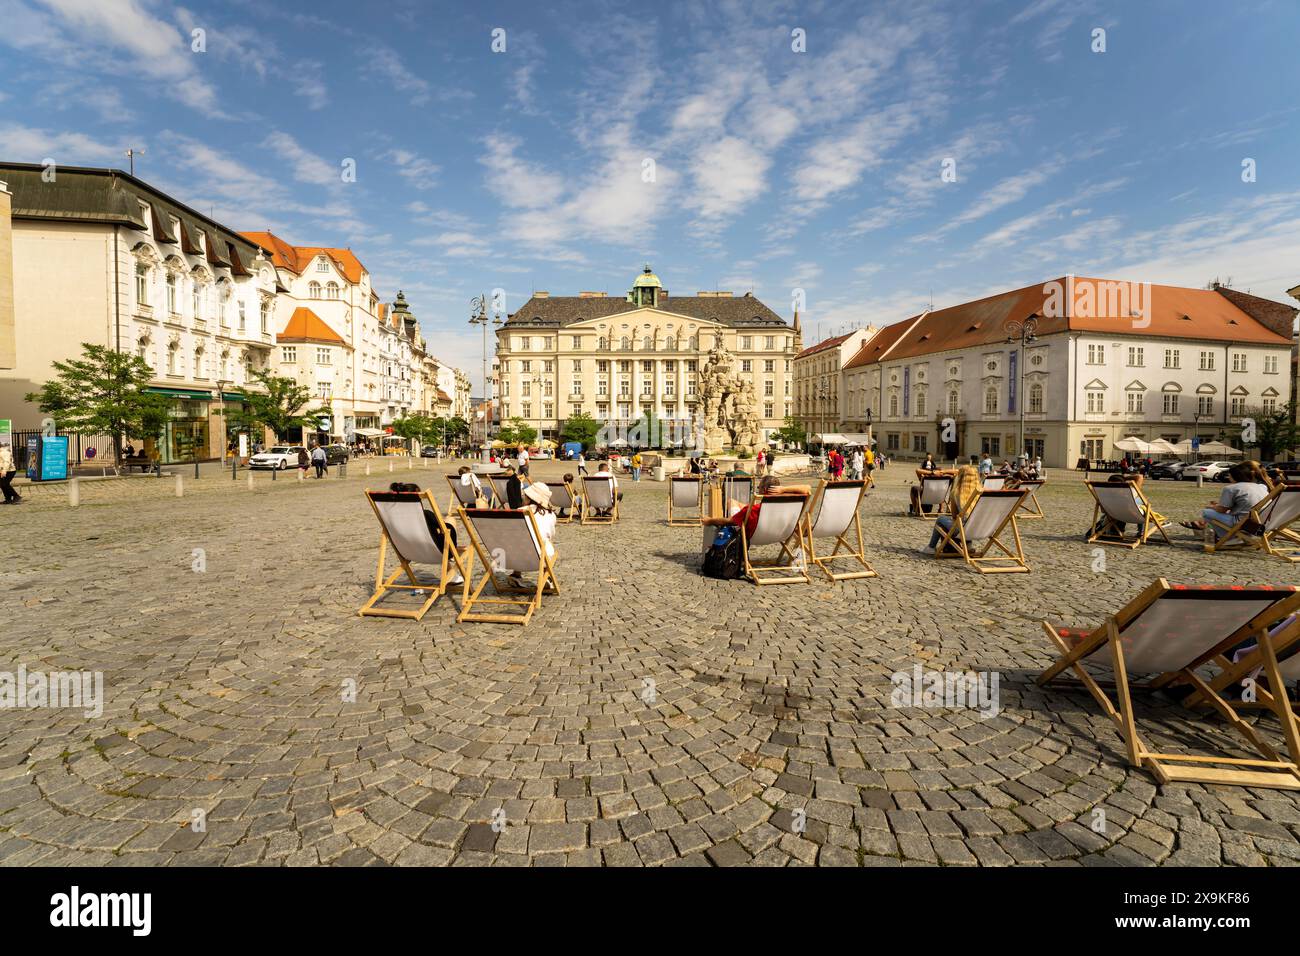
[(506, 541), (1251, 662), (563, 497), (1267, 526), (1117, 505), (780, 522), (1167, 633), (934, 492), (500, 499), (994, 483), (836, 517), (405, 528), (598, 495), (1030, 508), (462, 496), (685, 492), (737, 491), (986, 521)]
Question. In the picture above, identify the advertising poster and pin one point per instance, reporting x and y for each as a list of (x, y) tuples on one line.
[(54, 458)]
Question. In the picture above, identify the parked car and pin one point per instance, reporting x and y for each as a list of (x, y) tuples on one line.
[(1209, 470), (429, 451), (1166, 469), (336, 454), (277, 458)]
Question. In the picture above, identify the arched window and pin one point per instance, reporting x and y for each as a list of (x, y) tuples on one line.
[(313, 289), (332, 290), (954, 402), (1035, 399), (602, 344), (920, 403), (648, 344), (991, 400), (893, 406), (695, 343), (626, 344)]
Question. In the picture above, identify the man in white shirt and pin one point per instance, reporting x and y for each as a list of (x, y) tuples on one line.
[(521, 462)]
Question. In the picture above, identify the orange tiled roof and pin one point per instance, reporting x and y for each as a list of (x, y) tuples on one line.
[(1172, 312), (443, 396), (297, 258), (828, 343), (306, 326)]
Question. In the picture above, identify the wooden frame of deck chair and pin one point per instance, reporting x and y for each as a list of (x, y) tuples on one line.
[(1030, 487), (1252, 662), (836, 515), (993, 482), (563, 497), (506, 540), (935, 491), (1123, 504), (685, 492), (986, 521), (404, 528), (598, 494), (500, 498), (1168, 633), (737, 491), (463, 496), (1271, 519), (780, 521)]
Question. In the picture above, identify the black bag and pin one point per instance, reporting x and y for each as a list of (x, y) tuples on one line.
[(723, 561)]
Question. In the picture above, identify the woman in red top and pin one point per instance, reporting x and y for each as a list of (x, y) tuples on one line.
[(748, 515)]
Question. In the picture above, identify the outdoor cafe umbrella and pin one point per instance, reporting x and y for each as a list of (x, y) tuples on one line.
[(1133, 443), (1218, 448), (1162, 447)]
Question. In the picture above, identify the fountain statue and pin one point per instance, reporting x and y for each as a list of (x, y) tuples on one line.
[(728, 407)]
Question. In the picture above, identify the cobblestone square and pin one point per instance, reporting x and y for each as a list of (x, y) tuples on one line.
[(225, 626)]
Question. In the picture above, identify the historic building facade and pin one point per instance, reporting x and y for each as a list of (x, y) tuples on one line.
[(99, 256), (617, 358), (1106, 360), (817, 380)]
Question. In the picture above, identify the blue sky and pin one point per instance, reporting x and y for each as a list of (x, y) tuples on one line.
[(772, 169)]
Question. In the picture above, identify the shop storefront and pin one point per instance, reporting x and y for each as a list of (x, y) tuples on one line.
[(187, 434)]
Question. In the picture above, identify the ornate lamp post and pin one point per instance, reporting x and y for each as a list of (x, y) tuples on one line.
[(1026, 331)]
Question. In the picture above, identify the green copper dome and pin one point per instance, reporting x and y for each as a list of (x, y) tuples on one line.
[(647, 280)]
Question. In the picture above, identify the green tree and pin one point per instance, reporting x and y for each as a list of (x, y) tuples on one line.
[(1275, 431), (791, 432), (421, 426), (103, 393), (646, 431), (516, 431), (281, 405), (457, 428), (581, 428)]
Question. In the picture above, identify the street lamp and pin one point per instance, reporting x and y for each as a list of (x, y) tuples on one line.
[(537, 381), (1026, 332), (478, 315)]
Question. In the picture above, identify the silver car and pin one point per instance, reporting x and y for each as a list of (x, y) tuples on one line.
[(276, 458)]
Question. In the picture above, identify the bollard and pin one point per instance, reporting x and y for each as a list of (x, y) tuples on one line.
[(180, 485), (409, 466), (367, 469), (1200, 479), (390, 465), (74, 492), (234, 464), (424, 462), (301, 474), (250, 479)]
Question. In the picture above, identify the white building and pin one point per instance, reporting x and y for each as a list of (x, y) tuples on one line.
[(817, 381), (1108, 359), (99, 256)]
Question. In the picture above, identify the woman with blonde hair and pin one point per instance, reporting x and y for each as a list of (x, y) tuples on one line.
[(965, 491)]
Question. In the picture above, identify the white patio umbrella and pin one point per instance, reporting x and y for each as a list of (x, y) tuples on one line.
[(1133, 443), (1219, 448), (1162, 447), (1183, 447)]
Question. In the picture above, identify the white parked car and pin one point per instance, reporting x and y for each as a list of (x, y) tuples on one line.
[(1210, 470), (277, 458)]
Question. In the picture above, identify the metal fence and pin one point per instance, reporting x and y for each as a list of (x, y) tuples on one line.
[(82, 449)]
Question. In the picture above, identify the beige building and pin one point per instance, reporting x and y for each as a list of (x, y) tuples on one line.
[(1106, 360), (616, 358), (101, 257), (817, 381)]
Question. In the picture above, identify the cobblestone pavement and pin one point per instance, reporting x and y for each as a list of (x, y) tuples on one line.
[(770, 741)]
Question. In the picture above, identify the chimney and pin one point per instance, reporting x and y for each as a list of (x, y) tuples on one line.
[(591, 295), (541, 295)]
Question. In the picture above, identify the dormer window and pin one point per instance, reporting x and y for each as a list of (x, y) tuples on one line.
[(322, 265)]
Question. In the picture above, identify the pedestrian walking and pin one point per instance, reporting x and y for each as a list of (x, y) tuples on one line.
[(859, 463), (521, 462), (319, 461), (760, 462), (582, 463), (636, 467), (7, 472)]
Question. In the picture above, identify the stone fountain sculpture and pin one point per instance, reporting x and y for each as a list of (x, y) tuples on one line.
[(728, 406)]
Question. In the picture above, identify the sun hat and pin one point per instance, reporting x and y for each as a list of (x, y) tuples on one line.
[(538, 494)]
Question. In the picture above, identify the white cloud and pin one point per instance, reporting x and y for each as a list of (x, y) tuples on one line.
[(25, 144), (307, 167)]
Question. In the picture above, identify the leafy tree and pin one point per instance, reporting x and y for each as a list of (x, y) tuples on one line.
[(516, 431), (647, 431), (1275, 431), (103, 393), (581, 428), (280, 406), (791, 432), (420, 426), (457, 429)]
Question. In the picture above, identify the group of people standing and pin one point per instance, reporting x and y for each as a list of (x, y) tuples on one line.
[(860, 464)]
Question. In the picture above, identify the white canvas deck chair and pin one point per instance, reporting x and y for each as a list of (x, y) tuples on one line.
[(994, 483), (563, 499), (598, 495), (835, 516), (1030, 508), (1166, 633), (685, 493), (737, 491), (462, 496), (934, 492), (500, 499), (780, 522), (986, 521), (1268, 526), (405, 528), (1119, 504), (507, 542)]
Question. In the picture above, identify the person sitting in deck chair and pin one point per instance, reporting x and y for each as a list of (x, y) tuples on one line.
[(928, 470), (616, 495), (1248, 488), (1133, 480), (966, 487), (748, 515), (470, 480), (435, 530)]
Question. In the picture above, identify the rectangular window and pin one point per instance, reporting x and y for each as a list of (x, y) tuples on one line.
[(577, 365), (1204, 406), (577, 341), (602, 387), (769, 365), (1096, 355), (577, 387), (322, 356), (1173, 358), (769, 342), (526, 366), (266, 315), (322, 389), (1238, 407), (602, 366), (1135, 402), (919, 442), (1135, 356), (1270, 405), (1207, 361), (1096, 401), (1239, 361), (1171, 404), (746, 365), (1270, 364), (289, 353), (746, 343), (142, 285)]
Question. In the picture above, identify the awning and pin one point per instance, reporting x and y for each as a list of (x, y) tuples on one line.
[(368, 432), (233, 397), (857, 438), (191, 393), (830, 438)]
